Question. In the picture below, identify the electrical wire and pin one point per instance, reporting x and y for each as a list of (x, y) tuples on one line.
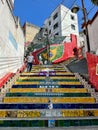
[(91, 10), (62, 1), (87, 13), (68, 10)]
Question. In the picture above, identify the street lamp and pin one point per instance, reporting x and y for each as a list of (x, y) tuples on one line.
[(75, 9), (47, 46)]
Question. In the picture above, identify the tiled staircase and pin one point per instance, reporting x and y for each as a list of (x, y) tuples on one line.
[(25, 104)]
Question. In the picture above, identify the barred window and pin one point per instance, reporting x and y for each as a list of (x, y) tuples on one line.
[(55, 26), (73, 26), (55, 16), (72, 17)]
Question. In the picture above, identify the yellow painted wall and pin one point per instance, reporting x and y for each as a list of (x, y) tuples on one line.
[(30, 31)]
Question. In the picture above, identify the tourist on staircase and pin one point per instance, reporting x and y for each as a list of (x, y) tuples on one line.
[(30, 59)]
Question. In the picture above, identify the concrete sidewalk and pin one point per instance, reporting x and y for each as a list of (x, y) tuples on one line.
[(79, 66)]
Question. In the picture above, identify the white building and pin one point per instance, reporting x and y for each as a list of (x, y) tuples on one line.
[(11, 39), (93, 33), (62, 22)]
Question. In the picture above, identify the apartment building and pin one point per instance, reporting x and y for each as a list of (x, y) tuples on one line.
[(93, 33), (62, 22)]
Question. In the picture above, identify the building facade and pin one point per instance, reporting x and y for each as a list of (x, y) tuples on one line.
[(30, 32), (62, 22), (11, 39), (92, 26), (93, 33)]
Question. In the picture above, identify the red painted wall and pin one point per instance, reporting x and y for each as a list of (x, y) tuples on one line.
[(92, 61)]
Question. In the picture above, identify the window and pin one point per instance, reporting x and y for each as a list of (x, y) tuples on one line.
[(46, 30), (72, 17), (55, 26), (56, 34), (49, 23), (73, 26), (55, 16), (49, 31)]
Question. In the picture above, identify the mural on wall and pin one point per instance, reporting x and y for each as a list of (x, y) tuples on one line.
[(54, 52), (57, 52)]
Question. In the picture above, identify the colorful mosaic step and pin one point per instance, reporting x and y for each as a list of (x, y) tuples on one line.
[(48, 94), (48, 113), (38, 82), (42, 80), (51, 69), (45, 86), (44, 67), (22, 123), (45, 106), (50, 73), (54, 90), (44, 123), (78, 122), (45, 100), (51, 77), (44, 74), (69, 90)]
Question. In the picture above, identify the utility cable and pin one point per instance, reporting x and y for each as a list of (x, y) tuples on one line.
[(62, 1), (68, 10), (91, 10)]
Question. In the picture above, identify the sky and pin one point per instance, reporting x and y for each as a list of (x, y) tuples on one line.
[(36, 11)]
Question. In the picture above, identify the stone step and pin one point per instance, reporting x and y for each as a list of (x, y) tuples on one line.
[(56, 128)]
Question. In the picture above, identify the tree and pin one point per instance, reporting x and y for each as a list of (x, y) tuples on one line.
[(95, 2)]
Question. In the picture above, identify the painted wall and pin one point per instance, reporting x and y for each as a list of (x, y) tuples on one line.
[(92, 61), (11, 41), (93, 34), (30, 31), (57, 52)]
